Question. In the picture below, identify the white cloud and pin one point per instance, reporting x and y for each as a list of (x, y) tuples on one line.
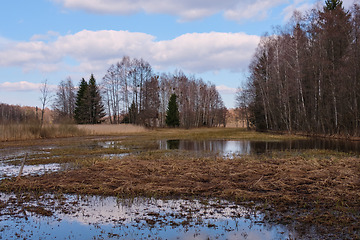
[(226, 90), (20, 86), (301, 6), (24, 86), (201, 52), (257, 9), (187, 10), (50, 35), (96, 50), (348, 3)]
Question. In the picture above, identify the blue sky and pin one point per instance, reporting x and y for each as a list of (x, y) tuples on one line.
[(56, 39)]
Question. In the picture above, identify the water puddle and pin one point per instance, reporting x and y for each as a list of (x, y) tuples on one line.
[(230, 149), (13, 170), (74, 217), (11, 157)]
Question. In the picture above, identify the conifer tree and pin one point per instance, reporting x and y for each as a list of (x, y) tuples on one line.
[(96, 108), (172, 113), (89, 107), (81, 108), (333, 4)]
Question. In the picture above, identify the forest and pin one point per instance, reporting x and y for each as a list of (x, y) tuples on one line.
[(305, 77), (17, 114), (131, 89), (130, 92)]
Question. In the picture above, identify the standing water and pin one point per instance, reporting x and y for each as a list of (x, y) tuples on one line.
[(74, 217)]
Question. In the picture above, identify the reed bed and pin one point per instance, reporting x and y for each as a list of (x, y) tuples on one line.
[(11, 132), (215, 133), (112, 129)]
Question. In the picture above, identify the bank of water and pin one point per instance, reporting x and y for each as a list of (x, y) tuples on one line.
[(74, 217), (89, 217), (11, 157)]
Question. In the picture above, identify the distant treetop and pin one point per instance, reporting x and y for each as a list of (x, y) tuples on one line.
[(333, 4)]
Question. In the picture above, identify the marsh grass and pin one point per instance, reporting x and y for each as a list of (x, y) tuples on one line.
[(31, 131), (313, 187), (216, 133), (115, 129), (308, 187), (69, 155), (10, 132)]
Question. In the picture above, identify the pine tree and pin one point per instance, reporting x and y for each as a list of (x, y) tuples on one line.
[(89, 107), (133, 112), (333, 4), (81, 108), (96, 108), (172, 113)]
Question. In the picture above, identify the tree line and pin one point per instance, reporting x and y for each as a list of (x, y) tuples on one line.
[(14, 114), (130, 92), (306, 76)]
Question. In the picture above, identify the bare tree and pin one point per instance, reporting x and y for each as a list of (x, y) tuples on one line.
[(305, 77), (64, 102), (44, 98)]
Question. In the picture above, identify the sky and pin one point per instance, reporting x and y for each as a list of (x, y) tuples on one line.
[(51, 40)]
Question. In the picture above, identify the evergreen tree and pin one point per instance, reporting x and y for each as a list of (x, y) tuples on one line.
[(96, 108), (333, 4), (172, 113), (89, 107), (81, 108), (133, 112)]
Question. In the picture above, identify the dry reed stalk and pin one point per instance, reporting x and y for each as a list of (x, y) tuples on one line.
[(106, 129), (321, 191)]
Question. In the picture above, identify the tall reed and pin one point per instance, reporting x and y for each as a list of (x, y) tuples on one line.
[(9, 132)]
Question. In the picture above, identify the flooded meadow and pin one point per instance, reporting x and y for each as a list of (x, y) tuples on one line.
[(92, 217), (134, 187)]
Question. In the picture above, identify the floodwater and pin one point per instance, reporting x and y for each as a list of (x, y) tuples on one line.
[(112, 218), (10, 157), (75, 217), (228, 148)]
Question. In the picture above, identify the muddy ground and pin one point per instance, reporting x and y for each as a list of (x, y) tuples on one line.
[(310, 188)]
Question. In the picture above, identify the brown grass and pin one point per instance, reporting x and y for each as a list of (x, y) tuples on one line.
[(11, 132), (322, 191), (116, 129)]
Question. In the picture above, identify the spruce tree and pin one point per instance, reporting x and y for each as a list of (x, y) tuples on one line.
[(81, 108), (333, 4), (172, 113), (96, 108), (89, 108)]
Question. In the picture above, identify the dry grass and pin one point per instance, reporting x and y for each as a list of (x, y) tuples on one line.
[(219, 133), (320, 190), (116, 129), (11, 132)]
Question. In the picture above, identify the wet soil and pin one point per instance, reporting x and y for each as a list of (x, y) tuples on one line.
[(311, 189), (308, 188), (51, 216)]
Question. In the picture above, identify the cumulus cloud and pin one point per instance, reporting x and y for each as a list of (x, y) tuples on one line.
[(20, 86), (24, 86), (226, 90), (50, 35), (301, 6), (96, 50), (257, 9), (187, 10)]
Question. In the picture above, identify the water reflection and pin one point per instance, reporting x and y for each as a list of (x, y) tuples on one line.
[(138, 218), (246, 147), (13, 170), (11, 157)]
